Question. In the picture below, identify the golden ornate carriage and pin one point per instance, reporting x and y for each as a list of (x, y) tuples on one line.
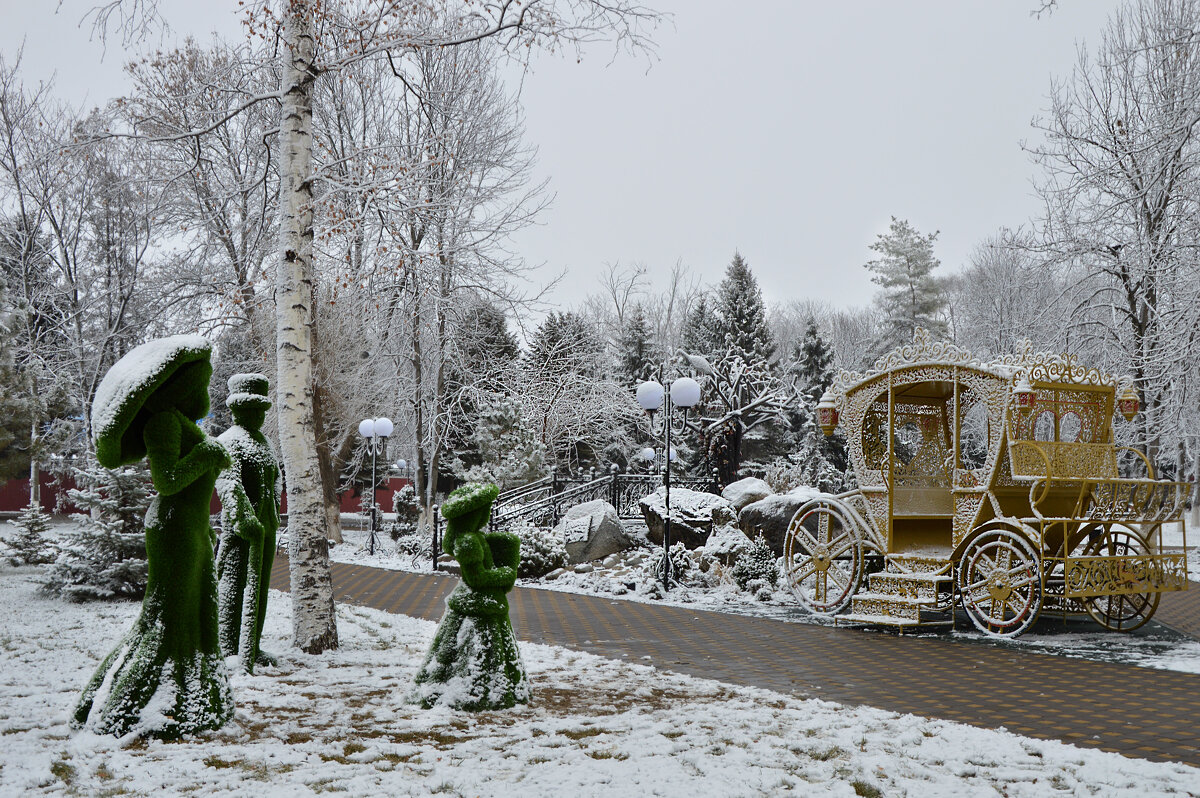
[(993, 487)]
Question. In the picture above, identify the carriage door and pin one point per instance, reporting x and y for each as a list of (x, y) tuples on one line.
[(921, 466)]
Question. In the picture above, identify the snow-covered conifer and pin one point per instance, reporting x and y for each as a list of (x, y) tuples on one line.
[(912, 296), (741, 316), (104, 556), (29, 546)]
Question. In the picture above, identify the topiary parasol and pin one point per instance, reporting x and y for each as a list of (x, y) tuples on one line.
[(117, 420)]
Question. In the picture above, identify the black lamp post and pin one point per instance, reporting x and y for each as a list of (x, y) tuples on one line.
[(375, 431), (684, 393)]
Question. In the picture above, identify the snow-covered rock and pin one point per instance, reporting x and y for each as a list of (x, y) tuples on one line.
[(592, 531), (771, 516), (746, 491), (691, 515)]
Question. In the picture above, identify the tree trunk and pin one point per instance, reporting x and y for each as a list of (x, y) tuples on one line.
[(314, 626), (325, 454), (1194, 521)]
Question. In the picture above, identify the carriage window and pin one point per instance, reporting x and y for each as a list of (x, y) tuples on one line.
[(874, 435), (907, 443), (973, 433), (1043, 426), (1069, 427)]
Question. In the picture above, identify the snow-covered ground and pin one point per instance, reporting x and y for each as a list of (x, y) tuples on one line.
[(1151, 647), (338, 722)]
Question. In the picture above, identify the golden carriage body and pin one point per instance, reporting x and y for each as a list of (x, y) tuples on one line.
[(990, 487)]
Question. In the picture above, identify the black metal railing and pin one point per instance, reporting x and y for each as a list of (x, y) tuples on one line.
[(545, 504)]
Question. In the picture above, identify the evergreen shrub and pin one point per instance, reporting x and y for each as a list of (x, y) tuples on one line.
[(541, 550)]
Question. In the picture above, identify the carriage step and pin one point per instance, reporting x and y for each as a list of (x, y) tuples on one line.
[(907, 585), (931, 563), (889, 620), (881, 604)]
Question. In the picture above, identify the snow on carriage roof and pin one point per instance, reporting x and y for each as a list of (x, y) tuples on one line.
[(132, 374)]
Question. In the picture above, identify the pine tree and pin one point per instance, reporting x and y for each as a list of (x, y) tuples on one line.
[(509, 451), (815, 459), (741, 317), (565, 343), (912, 296), (700, 335), (635, 349), (30, 546), (105, 557)]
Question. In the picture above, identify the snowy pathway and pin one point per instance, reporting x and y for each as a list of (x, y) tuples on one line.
[(1140, 712)]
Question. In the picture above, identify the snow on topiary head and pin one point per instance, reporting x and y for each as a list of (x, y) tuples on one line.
[(248, 391), (472, 499), (159, 374)]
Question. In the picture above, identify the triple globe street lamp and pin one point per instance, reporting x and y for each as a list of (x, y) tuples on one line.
[(375, 432), (683, 393)]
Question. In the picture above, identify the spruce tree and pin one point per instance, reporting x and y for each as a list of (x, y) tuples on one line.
[(912, 296), (700, 336), (105, 556), (816, 459), (30, 546), (635, 349), (565, 343), (741, 316)]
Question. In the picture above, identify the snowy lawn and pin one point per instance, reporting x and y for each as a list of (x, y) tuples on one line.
[(1150, 647), (338, 723)]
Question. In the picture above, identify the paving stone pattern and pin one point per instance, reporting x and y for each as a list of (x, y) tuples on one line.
[(1139, 712)]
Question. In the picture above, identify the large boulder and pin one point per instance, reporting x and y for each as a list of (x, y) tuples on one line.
[(691, 515), (592, 531), (770, 516), (746, 491)]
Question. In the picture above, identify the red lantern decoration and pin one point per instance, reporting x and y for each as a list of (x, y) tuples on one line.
[(1024, 394), (1128, 403), (827, 414)]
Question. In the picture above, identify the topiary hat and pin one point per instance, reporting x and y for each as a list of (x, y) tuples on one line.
[(117, 423), (249, 391), (468, 498)]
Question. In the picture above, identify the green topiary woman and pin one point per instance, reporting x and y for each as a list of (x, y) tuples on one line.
[(249, 491), (474, 663), (166, 678)]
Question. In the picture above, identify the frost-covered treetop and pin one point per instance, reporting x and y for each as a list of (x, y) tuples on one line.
[(127, 386)]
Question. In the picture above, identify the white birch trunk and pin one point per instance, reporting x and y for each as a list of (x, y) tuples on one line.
[(314, 626)]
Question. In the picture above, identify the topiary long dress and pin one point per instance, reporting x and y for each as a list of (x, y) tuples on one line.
[(474, 663), (167, 677)]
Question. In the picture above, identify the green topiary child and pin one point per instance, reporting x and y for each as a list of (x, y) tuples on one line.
[(474, 663), (249, 492), (166, 678)]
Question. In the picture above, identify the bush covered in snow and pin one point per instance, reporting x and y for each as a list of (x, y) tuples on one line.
[(407, 510), (756, 567), (541, 550), (104, 556), (30, 546)]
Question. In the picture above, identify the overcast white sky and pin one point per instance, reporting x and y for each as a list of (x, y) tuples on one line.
[(788, 130)]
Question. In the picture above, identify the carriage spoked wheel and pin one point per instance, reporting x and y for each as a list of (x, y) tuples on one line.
[(1126, 611), (1000, 583), (823, 556)]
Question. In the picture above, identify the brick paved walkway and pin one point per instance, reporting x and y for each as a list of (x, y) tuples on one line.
[(1139, 712)]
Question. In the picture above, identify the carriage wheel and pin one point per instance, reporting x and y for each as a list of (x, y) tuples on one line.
[(823, 556), (1125, 612), (1000, 582)]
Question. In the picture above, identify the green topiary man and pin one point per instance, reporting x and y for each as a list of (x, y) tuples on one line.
[(167, 677), (249, 491), (474, 663)]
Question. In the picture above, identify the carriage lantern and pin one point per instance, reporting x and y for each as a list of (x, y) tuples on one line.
[(827, 414), (1024, 394), (1127, 402)]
